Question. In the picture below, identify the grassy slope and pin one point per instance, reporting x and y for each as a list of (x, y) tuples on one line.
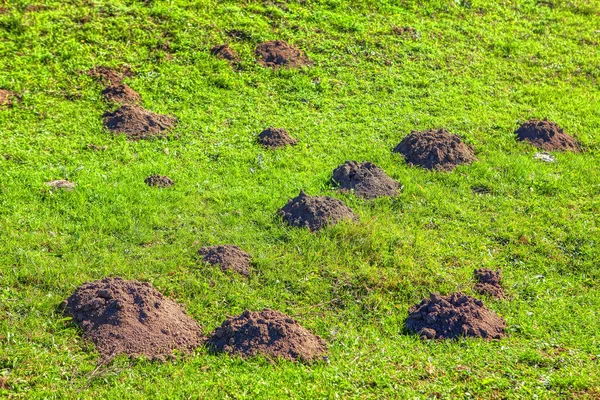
[(477, 69)]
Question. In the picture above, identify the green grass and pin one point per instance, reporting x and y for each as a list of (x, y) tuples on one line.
[(477, 68)]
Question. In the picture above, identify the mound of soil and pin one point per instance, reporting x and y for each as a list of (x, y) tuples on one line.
[(453, 316), (108, 75), (315, 212), (159, 181), (406, 31), (274, 138), (61, 184), (227, 257), (225, 52), (7, 98), (121, 94), (269, 333), (278, 53), (133, 318), (435, 149), (546, 135), (488, 283), (366, 179), (138, 123)]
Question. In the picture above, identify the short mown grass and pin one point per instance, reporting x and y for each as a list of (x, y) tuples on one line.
[(476, 68)]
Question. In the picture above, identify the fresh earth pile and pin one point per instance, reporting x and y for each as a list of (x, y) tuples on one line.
[(138, 123), (269, 333), (225, 52), (315, 212), (132, 318), (435, 149), (453, 316), (121, 93), (488, 283), (228, 257), (159, 181), (278, 53), (6, 98), (275, 138), (365, 179), (546, 135), (109, 76)]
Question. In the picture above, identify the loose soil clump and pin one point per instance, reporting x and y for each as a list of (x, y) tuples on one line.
[(435, 149), (488, 283), (269, 333), (121, 94), (453, 316), (546, 135), (275, 138), (7, 98), (315, 212), (366, 179), (228, 257), (159, 181), (108, 75), (225, 52), (277, 53), (132, 318), (61, 184), (138, 123)]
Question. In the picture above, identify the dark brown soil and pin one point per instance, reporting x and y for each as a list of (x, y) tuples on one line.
[(546, 135), (225, 52), (132, 318), (227, 257), (121, 94), (7, 98), (405, 31), (159, 181), (488, 283), (278, 53), (275, 138), (315, 212), (110, 76), (138, 123), (453, 316), (270, 333), (366, 179), (435, 149)]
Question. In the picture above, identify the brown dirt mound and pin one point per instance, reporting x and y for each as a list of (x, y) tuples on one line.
[(435, 149), (453, 316), (225, 52), (133, 318), (121, 94), (315, 212), (108, 75), (366, 179), (546, 135), (227, 257), (159, 181), (278, 53), (275, 138), (269, 333), (488, 283), (7, 98), (138, 123)]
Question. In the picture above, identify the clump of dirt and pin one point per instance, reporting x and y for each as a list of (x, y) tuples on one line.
[(110, 76), (225, 52), (61, 184), (366, 179), (453, 316), (227, 257), (269, 333), (138, 123), (159, 181), (7, 98), (546, 135), (132, 318), (121, 94), (275, 138), (278, 53), (406, 31), (488, 283), (435, 149), (315, 212)]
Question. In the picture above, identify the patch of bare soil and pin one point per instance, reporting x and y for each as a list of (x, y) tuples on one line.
[(315, 212), (227, 257)]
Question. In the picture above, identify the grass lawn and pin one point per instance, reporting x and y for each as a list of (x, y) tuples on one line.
[(477, 68)]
